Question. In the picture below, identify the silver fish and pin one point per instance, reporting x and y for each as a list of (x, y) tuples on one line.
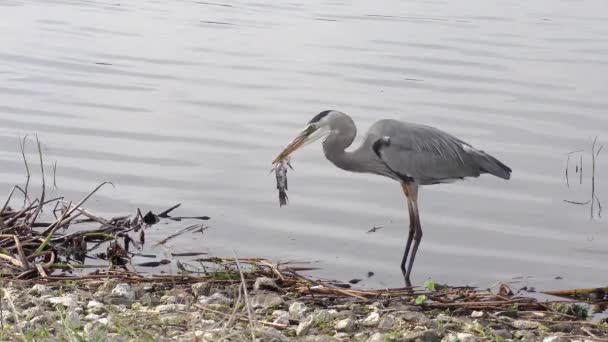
[(281, 174)]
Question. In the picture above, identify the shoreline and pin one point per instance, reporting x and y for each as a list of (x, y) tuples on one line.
[(276, 304)]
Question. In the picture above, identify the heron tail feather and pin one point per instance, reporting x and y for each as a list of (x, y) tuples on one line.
[(491, 165)]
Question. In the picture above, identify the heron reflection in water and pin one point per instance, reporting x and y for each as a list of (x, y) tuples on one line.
[(412, 154)]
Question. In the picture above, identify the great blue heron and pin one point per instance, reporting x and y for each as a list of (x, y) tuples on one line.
[(412, 154)]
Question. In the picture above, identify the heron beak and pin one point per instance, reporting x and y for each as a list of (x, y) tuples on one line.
[(298, 142)]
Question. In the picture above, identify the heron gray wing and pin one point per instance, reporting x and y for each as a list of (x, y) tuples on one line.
[(424, 153)]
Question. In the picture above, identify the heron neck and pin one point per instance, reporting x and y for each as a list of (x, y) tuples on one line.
[(334, 148)]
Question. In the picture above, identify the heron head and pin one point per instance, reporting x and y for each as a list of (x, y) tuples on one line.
[(317, 128)]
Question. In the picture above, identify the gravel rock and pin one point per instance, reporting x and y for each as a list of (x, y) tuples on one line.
[(523, 324), (124, 290), (271, 335), (72, 320), (371, 320), (280, 317), (68, 301), (94, 331), (216, 298), (451, 337), (346, 325), (39, 290), (477, 314), (297, 310), (96, 307), (386, 323), (413, 316), (200, 289), (503, 333), (305, 325), (341, 336), (266, 299), (556, 338), (319, 338), (376, 337), (422, 336), (466, 337), (324, 316), (360, 337), (42, 320), (265, 283), (166, 308), (524, 335)]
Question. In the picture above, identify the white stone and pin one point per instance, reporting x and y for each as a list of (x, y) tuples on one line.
[(94, 304), (123, 290), (376, 337), (69, 301), (523, 324), (347, 324), (170, 308), (297, 310), (305, 325), (371, 320), (477, 314), (466, 337), (450, 338)]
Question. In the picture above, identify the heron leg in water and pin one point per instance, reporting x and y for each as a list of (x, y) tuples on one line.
[(415, 233), (410, 236), (418, 232)]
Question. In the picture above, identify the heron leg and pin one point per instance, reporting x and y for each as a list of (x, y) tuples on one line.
[(417, 232), (410, 206)]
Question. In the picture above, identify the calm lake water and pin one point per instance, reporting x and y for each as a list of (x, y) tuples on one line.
[(189, 101)]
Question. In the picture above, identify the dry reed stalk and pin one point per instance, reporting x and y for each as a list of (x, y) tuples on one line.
[(246, 297)]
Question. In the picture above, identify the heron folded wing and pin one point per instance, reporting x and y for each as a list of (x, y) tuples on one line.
[(426, 154)]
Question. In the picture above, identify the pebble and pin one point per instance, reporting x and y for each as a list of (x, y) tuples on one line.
[(265, 300), (376, 337), (477, 314), (123, 290), (556, 338), (341, 336), (523, 324), (386, 323), (216, 298), (360, 337), (39, 320), (297, 310), (265, 283), (305, 325), (346, 325), (200, 289), (503, 333), (280, 317), (466, 337), (39, 290), (425, 336), (371, 320), (72, 320), (319, 338), (170, 308), (271, 335), (323, 316), (413, 316), (68, 301), (451, 337), (93, 332)]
